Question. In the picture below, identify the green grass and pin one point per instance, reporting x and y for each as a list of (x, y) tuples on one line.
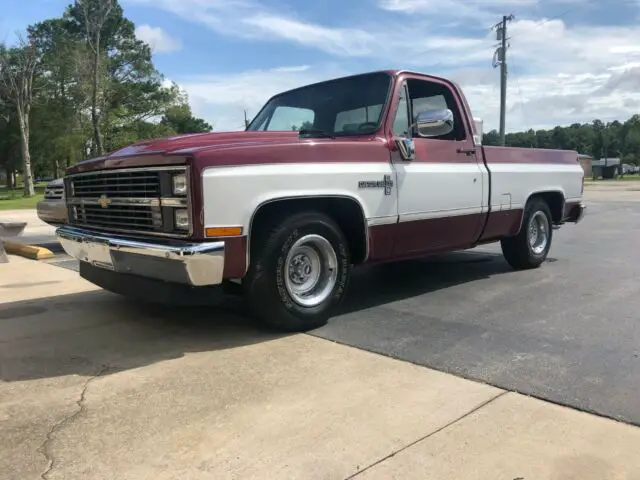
[(15, 199)]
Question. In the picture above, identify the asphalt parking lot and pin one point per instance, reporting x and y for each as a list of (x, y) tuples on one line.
[(568, 333)]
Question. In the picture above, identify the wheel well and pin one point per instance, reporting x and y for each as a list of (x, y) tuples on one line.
[(345, 211), (555, 201)]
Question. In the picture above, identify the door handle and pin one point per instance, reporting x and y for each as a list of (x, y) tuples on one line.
[(467, 151)]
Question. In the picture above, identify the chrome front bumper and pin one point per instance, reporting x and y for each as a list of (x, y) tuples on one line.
[(195, 264)]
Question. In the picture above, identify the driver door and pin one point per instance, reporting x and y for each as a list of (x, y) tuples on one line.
[(440, 191)]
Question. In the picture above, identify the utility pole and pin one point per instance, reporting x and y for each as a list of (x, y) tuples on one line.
[(500, 58), (246, 120)]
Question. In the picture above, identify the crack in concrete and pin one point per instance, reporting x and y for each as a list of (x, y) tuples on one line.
[(444, 427), (46, 447)]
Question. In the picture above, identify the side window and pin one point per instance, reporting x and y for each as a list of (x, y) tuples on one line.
[(350, 120), (289, 118), (401, 121), (434, 96)]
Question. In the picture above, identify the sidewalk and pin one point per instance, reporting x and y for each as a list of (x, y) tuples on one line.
[(37, 232), (35, 226), (92, 386)]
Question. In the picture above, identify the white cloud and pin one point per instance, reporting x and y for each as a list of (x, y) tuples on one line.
[(339, 41), (250, 20), (413, 6), (159, 40), (559, 73), (222, 99), (484, 10)]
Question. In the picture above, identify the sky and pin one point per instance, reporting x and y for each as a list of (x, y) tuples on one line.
[(569, 60)]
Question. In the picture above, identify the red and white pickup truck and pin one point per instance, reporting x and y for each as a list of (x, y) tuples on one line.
[(369, 168)]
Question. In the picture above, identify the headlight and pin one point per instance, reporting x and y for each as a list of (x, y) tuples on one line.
[(180, 184), (181, 219)]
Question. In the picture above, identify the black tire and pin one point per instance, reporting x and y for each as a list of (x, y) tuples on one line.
[(266, 286), (518, 251)]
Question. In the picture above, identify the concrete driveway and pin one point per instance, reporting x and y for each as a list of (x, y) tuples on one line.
[(92, 386)]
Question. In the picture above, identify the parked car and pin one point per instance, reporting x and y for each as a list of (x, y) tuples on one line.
[(358, 170), (53, 209)]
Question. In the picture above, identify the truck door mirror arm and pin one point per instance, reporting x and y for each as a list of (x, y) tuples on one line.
[(407, 148)]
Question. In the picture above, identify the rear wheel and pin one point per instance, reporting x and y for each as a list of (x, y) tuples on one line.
[(530, 248), (299, 272)]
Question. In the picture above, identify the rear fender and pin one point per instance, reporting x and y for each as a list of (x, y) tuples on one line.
[(555, 199)]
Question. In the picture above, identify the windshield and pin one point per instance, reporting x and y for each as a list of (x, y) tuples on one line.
[(346, 106)]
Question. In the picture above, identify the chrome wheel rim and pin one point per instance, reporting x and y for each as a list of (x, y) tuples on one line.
[(311, 270), (538, 232)]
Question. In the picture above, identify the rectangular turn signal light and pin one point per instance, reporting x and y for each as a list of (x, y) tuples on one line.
[(223, 231)]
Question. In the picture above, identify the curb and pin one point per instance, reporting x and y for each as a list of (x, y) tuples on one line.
[(28, 251)]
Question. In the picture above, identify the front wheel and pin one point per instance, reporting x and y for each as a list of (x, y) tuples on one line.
[(530, 248), (299, 272)]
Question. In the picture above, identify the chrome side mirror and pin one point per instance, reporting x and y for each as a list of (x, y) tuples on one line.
[(434, 123), (407, 148)]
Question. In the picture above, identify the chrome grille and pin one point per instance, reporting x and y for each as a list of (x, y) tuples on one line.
[(127, 184), (136, 200)]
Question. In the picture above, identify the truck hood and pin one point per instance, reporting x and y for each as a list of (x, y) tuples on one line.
[(189, 144), (175, 150)]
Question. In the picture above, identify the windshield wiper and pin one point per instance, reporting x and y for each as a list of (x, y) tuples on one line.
[(313, 131)]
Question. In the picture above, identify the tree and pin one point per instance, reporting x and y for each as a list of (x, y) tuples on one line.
[(125, 86), (97, 22), (59, 115), (91, 87), (598, 139), (9, 144), (181, 120), (17, 73)]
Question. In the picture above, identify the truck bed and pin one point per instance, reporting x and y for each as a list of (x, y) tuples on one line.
[(517, 173), (518, 155)]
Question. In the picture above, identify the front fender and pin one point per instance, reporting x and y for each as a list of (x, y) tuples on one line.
[(231, 195)]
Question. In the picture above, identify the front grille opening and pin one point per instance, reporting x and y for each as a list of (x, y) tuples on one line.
[(128, 217), (118, 185), (54, 193), (119, 201)]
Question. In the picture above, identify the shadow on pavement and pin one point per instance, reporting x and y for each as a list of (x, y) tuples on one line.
[(378, 285), (87, 332)]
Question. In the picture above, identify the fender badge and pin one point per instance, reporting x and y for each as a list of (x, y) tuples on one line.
[(385, 183)]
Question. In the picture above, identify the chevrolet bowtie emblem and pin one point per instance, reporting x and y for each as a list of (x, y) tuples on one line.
[(104, 201)]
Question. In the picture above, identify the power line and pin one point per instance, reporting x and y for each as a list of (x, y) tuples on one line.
[(539, 23), (500, 59)]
